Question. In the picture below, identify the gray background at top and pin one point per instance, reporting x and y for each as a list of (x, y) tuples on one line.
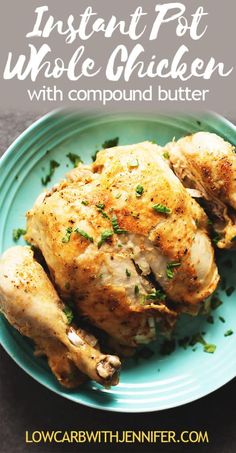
[(17, 18), (27, 405)]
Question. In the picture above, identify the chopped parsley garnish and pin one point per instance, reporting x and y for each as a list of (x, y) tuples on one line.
[(118, 196), (52, 167), (230, 291), (94, 156), (116, 227), (67, 236), (104, 236), (215, 302), (183, 342), (161, 208), (166, 155), (210, 348), (209, 222), (133, 163), (67, 286), (228, 333), (107, 144), (216, 238), (210, 319), (197, 338), (101, 207), (84, 202), (17, 233), (104, 214), (75, 159), (207, 347), (136, 290), (156, 294), (170, 267), (111, 143), (221, 319), (69, 314), (84, 234), (128, 273), (139, 191)]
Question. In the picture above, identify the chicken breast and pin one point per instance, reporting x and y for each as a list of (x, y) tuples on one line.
[(30, 303), (121, 238), (206, 163)]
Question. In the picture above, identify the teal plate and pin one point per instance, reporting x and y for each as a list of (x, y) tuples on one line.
[(158, 382)]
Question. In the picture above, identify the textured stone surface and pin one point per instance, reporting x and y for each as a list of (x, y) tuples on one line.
[(26, 405), (12, 125)]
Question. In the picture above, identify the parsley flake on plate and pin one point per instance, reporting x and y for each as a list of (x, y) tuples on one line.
[(230, 291), (215, 302), (210, 319), (111, 143), (52, 167), (228, 333), (222, 319), (210, 348), (75, 159), (17, 233)]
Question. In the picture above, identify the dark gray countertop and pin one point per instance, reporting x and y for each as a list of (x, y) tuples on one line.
[(26, 405)]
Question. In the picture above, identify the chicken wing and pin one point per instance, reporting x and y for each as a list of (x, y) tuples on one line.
[(30, 303), (121, 237), (206, 163)]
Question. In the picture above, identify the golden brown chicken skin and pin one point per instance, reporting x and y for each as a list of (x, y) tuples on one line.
[(117, 234), (30, 303), (204, 161)]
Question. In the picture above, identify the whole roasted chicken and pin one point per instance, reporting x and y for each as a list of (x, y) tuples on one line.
[(125, 243)]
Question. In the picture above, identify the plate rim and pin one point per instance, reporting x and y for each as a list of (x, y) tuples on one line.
[(20, 362)]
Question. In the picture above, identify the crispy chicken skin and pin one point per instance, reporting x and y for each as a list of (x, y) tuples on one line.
[(109, 250), (204, 161), (31, 304)]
